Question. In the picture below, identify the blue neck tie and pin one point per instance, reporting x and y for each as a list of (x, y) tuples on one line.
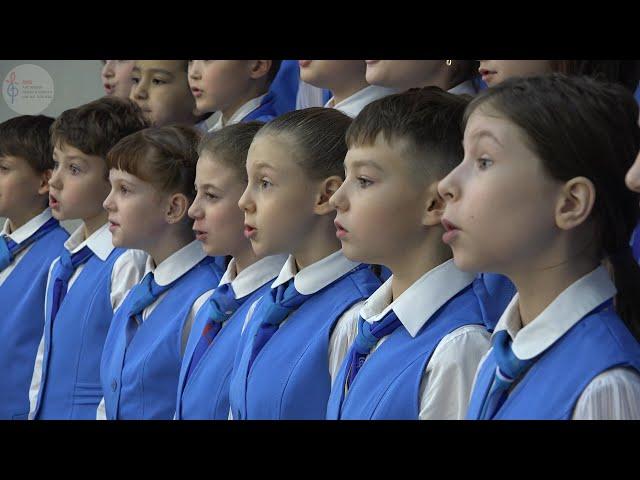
[(222, 305), (509, 368), (142, 295), (369, 334), (66, 266), (9, 249), (274, 308)]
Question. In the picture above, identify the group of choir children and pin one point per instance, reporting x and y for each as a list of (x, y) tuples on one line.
[(413, 249)]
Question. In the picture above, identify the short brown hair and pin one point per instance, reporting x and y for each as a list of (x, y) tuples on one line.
[(163, 156), (318, 134), (28, 138), (429, 118), (97, 126), (231, 144)]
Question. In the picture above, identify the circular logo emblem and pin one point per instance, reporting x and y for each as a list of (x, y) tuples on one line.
[(28, 89)]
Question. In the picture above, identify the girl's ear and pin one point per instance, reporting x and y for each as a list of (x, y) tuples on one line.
[(43, 188), (434, 206), (259, 68), (177, 207), (575, 203), (328, 187)]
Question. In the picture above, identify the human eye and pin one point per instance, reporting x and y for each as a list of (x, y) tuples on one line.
[(364, 182), (484, 162)]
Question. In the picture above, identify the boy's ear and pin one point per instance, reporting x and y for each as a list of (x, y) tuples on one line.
[(177, 208), (328, 187), (45, 176), (259, 68), (434, 206), (575, 203)]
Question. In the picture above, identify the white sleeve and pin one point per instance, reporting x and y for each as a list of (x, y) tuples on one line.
[(186, 330), (127, 271), (101, 412), (446, 386), (612, 395), (36, 378), (342, 337)]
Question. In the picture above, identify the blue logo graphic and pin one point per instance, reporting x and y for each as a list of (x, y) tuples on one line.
[(12, 90)]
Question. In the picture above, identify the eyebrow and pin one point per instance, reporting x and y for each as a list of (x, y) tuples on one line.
[(260, 165), (486, 133), (364, 163)]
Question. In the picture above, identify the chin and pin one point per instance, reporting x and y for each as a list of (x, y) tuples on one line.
[(354, 254)]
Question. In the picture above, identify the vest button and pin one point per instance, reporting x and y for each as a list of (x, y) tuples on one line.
[(114, 385)]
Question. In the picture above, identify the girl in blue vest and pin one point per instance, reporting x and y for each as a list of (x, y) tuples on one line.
[(30, 240), (152, 184), (540, 198), (287, 352), (221, 177), (238, 89)]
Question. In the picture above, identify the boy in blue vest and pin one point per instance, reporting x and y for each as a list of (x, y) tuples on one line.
[(417, 341), (29, 242), (239, 90), (90, 279)]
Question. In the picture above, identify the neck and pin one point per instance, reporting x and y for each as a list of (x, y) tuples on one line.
[(244, 258), (167, 244), (344, 91), (320, 243), (253, 92), (415, 262), (19, 219), (537, 288), (91, 225)]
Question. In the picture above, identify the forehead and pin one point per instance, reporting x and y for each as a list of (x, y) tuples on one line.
[(485, 122), (382, 154), (174, 67), (211, 169), (271, 151), (64, 150), (116, 175)]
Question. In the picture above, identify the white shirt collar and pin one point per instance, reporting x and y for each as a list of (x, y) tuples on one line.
[(464, 87), (99, 242), (417, 304), (564, 312), (177, 264), (316, 276), (239, 114), (355, 103), (25, 231), (254, 276)]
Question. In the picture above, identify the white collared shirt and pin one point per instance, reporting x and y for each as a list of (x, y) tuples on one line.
[(446, 385), (239, 114), (615, 393), (127, 271), (464, 87), (353, 104), (20, 235)]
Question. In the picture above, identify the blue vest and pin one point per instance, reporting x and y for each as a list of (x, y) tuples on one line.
[(206, 394), (387, 386), (289, 378), (635, 243), (285, 87), (552, 386), (264, 112), (139, 381), (22, 320), (70, 387)]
